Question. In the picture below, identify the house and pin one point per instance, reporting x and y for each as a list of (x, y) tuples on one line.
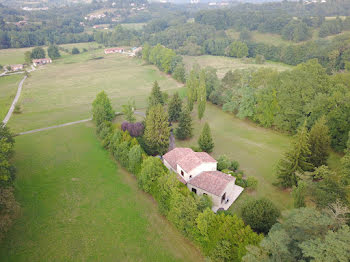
[(42, 61), (16, 67), (198, 171), (114, 50)]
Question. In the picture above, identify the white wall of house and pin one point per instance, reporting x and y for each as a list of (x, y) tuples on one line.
[(216, 199), (203, 167), (168, 166), (182, 173)]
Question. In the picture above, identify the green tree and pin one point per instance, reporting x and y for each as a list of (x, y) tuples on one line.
[(102, 109), (175, 106), (75, 51), (345, 164), (319, 143), (146, 51), (185, 129), (135, 159), (296, 160), (152, 168), (128, 111), (53, 52), (156, 96), (192, 84), (38, 52), (28, 57), (202, 95), (205, 140), (298, 194), (334, 246), (179, 73), (260, 214), (238, 49), (157, 130)]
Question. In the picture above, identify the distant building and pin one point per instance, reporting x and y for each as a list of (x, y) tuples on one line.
[(114, 50), (41, 61), (198, 171), (16, 67)]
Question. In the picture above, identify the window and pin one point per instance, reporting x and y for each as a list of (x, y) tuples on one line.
[(205, 194), (190, 176), (223, 198), (194, 190), (182, 173)]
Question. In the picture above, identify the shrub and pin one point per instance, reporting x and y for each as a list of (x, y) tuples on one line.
[(18, 109), (224, 162), (75, 51), (260, 214), (134, 129), (252, 183)]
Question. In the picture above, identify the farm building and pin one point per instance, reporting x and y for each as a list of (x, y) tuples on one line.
[(114, 50), (42, 61), (198, 170), (16, 67)]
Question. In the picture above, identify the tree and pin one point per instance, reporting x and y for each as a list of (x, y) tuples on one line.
[(334, 246), (135, 159), (192, 84), (75, 51), (185, 129), (53, 52), (319, 143), (37, 53), (296, 160), (298, 194), (345, 164), (28, 57), (260, 214), (175, 106), (156, 96), (102, 109), (238, 49), (179, 73), (202, 95), (286, 239), (146, 51), (152, 168), (205, 140), (157, 130), (128, 111)]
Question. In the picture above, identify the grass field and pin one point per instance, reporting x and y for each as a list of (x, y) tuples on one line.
[(255, 148), (224, 64), (16, 55), (63, 91), (77, 205), (8, 89)]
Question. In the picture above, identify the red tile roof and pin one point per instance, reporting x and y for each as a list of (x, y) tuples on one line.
[(213, 182), (187, 159)]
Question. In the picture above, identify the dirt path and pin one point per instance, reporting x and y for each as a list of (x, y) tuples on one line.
[(12, 108), (57, 126)]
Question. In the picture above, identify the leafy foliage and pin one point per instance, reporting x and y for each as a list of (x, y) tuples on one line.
[(319, 143), (102, 109), (175, 106), (185, 129), (205, 141)]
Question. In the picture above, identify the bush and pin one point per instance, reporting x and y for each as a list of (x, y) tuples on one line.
[(260, 214), (75, 51), (18, 109), (223, 163), (252, 183), (134, 129)]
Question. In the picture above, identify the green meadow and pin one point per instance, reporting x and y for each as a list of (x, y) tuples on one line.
[(8, 90), (77, 204)]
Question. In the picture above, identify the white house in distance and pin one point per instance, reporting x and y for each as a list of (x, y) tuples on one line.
[(16, 67), (42, 61), (198, 170), (114, 50)]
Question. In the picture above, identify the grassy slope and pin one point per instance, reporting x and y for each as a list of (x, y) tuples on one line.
[(77, 205), (16, 55), (63, 91), (8, 89), (256, 149), (224, 64)]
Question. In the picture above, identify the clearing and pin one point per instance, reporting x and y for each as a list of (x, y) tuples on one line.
[(78, 205), (224, 64), (63, 91), (8, 90)]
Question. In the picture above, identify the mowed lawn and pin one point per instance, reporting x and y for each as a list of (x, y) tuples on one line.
[(63, 91), (8, 90), (224, 64), (77, 205), (256, 149)]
